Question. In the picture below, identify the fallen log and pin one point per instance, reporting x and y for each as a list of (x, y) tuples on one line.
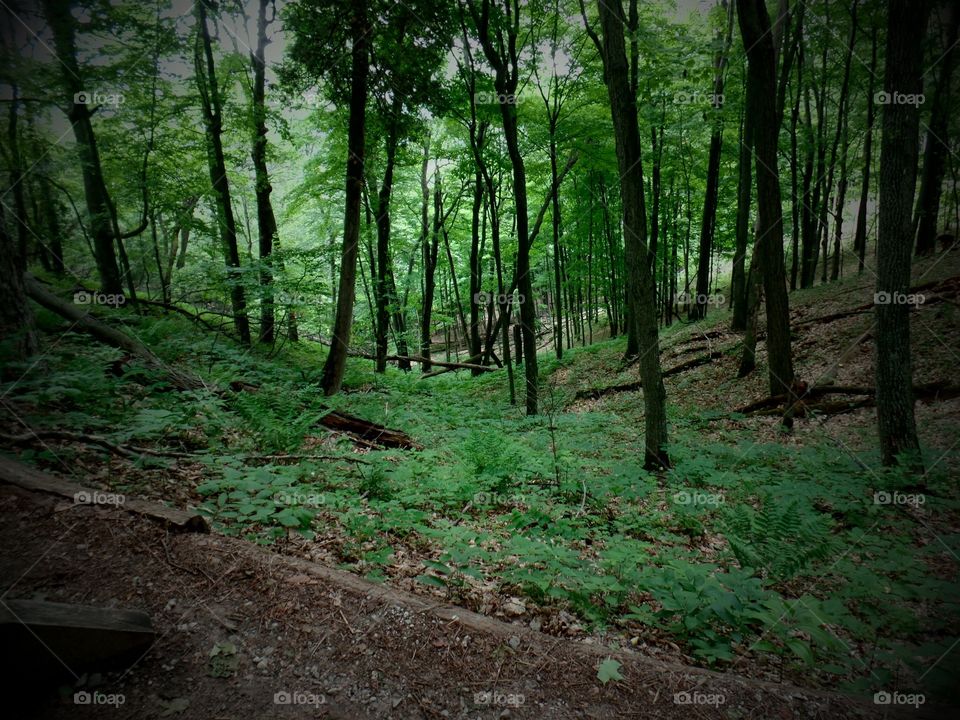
[(368, 432), (418, 359), (121, 450), (927, 392), (84, 321), (595, 393), (29, 478)]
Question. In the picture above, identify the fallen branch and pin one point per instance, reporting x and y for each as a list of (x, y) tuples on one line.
[(594, 393), (371, 434), (122, 450), (104, 333), (940, 390)]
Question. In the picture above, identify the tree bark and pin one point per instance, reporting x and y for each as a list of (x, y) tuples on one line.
[(641, 292), (335, 366), (898, 174)]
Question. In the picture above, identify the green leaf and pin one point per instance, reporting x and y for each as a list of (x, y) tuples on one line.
[(609, 670)]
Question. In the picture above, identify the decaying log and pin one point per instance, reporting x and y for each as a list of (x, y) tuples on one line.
[(368, 432), (940, 390), (594, 393), (30, 478)]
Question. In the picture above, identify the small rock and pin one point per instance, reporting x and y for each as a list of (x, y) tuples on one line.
[(535, 625), (514, 642)]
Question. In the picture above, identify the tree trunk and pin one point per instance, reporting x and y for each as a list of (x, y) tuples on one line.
[(739, 281), (336, 363), (431, 246), (384, 261), (16, 319), (761, 99), (860, 234), (266, 221), (935, 148), (62, 25), (213, 121), (641, 293), (898, 174)]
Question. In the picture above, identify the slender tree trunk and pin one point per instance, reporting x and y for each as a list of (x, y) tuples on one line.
[(19, 338), (641, 292), (335, 366), (739, 280), (860, 234), (898, 174), (431, 247), (475, 269), (213, 121), (384, 261), (266, 221)]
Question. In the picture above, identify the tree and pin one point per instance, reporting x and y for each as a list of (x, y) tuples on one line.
[(761, 104), (641, 289), (906, 24), (935, 148), (211, 105)]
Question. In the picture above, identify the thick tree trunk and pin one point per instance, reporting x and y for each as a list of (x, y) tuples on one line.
[(761, 99), (935, 150), (336, 363), (641, 292), (898, 174)]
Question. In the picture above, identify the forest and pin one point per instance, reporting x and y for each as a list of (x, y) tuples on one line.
[(479, 358)]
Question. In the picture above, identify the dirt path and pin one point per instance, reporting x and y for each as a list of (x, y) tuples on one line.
[(340, 646)]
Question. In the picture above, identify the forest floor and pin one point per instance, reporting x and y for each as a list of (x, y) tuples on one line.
[(771, 557)]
